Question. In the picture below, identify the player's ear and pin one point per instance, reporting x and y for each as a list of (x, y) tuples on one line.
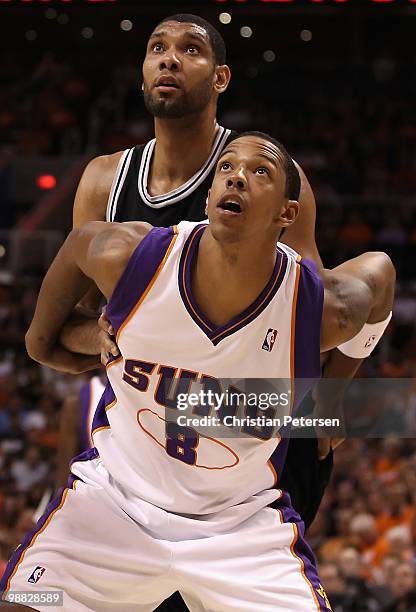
[(288, 213), (222, 78)]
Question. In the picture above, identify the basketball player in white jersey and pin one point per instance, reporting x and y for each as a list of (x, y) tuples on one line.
[(157, 505), (166, 181)]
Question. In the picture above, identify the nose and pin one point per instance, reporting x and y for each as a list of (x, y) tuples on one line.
[(170, 61), (237, 181)]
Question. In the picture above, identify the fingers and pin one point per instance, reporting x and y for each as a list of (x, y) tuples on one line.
[(324, 446), (105, 324), (335, 442), (108, 347)]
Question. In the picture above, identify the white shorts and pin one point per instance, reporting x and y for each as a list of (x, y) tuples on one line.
[(103, 560)]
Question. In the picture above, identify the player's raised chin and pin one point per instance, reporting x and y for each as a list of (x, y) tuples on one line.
[(251, 194)]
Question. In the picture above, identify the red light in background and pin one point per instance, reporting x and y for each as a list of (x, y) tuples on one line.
[(46, 181)]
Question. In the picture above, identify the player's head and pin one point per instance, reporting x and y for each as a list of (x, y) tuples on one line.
[(255, 190), (184, 69)]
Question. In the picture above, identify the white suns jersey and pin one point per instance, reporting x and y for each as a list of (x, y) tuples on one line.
[(90, 396), (169, 348)]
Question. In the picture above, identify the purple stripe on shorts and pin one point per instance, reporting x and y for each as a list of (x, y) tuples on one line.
[(308, 330), (85, 394), (302, 549), (88, 455), (139, 272), (18, 553)]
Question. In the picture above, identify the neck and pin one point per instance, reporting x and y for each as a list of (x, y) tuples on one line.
[(229, 277), (182, 145)]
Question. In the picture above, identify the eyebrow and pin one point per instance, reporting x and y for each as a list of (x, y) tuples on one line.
[(271, 160), (188, 34)]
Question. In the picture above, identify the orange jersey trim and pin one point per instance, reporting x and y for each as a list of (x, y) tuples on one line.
[(293, 333), (150, 285)]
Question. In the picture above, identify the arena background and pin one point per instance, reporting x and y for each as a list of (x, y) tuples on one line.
[(334, 81)]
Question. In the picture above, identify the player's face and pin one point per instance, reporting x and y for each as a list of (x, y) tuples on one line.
[(248, 192), (178, 70)]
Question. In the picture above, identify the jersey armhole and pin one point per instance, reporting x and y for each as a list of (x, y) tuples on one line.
[(140, 274), (117, 184)]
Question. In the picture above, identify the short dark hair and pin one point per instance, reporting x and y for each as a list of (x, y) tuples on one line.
[(215, 39), (292, 189)]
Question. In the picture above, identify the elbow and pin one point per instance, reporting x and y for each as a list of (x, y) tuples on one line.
[(382, 283), (34, 348), (388, 278)]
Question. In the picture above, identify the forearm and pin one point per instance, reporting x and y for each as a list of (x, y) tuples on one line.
[(80, 334), (377, 272), (63, 286), (341, 370), (69, 438), (60, 359)]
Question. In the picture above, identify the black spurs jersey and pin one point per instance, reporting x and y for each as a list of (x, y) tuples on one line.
[(304, 476), (130, 201)]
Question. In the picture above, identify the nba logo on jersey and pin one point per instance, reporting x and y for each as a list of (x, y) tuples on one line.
[(369, 341), (269, 340), (37, 574)]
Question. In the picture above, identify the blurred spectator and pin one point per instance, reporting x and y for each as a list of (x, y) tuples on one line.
[(398, 510), (403, 588), (355, 231), (30, 470), (335, 586)]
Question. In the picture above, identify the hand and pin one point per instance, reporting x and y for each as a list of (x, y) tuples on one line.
[(326, 444), (106, 335)]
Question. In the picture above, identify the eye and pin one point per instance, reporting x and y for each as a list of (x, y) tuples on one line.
[(225, 165), (192, 49), (157, 47), (262, 170)]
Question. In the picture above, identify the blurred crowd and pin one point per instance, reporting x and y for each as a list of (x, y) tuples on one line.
[(357, 145)]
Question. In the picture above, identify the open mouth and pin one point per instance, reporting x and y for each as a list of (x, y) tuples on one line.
[(231, 207)]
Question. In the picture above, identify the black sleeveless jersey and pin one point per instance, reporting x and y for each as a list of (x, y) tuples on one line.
[(129, 199), (304, 476)]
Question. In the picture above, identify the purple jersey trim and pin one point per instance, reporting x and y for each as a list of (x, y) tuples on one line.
[(307, 365), (85, 393), (307, 345), (138, 274), (214, 333), (301, 549)]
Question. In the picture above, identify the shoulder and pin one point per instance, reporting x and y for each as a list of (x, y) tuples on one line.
[(103, 250), (108, 240), (94, 188), (99, 172)]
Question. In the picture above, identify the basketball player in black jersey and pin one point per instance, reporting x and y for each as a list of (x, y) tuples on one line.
[(167, 180)]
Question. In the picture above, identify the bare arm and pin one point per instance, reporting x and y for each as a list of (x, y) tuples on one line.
[(97, 252), (358, 292), (81, 333), (69, 437), (301, 235)]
